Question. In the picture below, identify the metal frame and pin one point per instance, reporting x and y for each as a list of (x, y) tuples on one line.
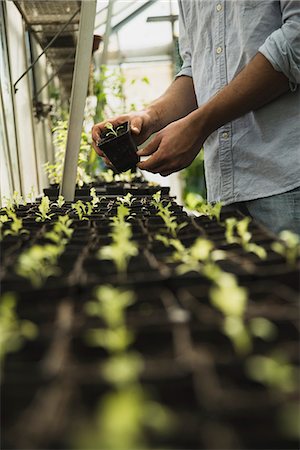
[(78, 97)]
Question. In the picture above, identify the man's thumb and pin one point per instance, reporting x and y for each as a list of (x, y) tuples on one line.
[(136, 126)]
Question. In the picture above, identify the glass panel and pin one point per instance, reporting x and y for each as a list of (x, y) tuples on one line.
[(10, 178)]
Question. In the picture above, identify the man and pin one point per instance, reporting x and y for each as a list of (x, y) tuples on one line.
[(237, 94)]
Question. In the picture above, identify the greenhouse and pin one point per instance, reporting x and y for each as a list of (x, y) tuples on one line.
[(149, 224)]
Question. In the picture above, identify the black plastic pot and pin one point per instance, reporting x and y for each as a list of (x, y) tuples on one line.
[(120, 150)]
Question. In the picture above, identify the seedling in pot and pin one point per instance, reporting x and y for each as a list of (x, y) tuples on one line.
[(112, 131), (119, 146)]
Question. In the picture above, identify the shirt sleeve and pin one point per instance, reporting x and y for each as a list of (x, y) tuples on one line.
[(184, 47), (282, 47)]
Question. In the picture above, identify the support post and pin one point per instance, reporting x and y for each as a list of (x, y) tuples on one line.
[(78, 97)]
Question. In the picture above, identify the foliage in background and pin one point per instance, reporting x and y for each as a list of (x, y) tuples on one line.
[(108, 100), (87, 163), (194, 177)]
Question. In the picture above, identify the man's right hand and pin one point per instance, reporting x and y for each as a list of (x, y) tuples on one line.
[(141, 124)]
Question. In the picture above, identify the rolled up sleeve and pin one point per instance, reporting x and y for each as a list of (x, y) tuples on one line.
[(184, 47), (282, 47)]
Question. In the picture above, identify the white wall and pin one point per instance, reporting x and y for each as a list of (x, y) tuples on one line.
[(25, 141), (22, 101)]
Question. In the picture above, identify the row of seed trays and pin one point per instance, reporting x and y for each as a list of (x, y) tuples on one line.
[(130, 322)]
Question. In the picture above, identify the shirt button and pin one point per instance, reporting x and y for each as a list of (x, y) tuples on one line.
[(219, 7), (219, 50), (225, 135)]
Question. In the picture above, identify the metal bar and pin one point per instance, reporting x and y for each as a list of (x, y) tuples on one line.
[(169, 18), (71, 56), (45, 49), (132, 15), (103, 58), (117, 13), (78, 97)]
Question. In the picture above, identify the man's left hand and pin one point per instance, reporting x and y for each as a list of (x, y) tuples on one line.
[(173, 148)]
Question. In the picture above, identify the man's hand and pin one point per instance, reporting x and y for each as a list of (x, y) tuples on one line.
[(173, 148), (141, 125)]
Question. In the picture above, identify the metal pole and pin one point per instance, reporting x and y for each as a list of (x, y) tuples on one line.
[(107, 33), (78, 97)]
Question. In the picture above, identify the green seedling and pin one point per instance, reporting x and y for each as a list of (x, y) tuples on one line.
[(114, 341), (126, 200), (111, 129), (83, 209), (231, 300), (273, 371), (288, 246), (199, 257), (123, 420), (170, 219), (16, 224), (44, 209), (121, 250), (95, 199), (156, 199), (38, 263), (237, 233), (3, 219), (110, 305), (13, 332), (127, 176), (198, 203), (108, 176), (60, 201), (122, 369), (31, 195), (61, 231)]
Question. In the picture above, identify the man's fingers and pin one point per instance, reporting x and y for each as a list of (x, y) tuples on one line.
[(150, 148), (153, 164), (136, 125)]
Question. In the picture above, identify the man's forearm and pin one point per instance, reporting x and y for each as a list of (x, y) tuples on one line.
[(255, 86), (178, 101)]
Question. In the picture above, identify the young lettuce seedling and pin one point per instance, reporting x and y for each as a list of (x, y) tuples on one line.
[(111, 129), (110, 305), (126, 200), (13, 332), (16, 224), (39, 263), (288, 246), (237, 233), (44, 209), (83, 209), (198, 203)]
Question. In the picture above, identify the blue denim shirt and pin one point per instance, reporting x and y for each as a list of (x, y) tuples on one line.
[(258, 154)]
